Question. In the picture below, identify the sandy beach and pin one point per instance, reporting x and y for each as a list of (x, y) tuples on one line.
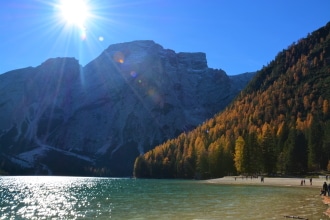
[(269, 181)]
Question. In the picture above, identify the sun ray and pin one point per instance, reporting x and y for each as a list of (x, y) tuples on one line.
[(74, 12)]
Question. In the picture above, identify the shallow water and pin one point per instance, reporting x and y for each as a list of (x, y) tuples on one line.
[(44, 197)]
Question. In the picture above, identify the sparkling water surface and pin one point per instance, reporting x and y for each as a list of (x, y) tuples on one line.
[(50, 197)]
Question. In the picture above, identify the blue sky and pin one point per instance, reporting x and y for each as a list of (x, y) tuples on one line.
[(237, 35)]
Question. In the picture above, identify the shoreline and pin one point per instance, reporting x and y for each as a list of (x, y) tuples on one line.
[(268, 181), (275, 181)]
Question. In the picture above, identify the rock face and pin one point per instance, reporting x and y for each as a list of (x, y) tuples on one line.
[(63, 119)]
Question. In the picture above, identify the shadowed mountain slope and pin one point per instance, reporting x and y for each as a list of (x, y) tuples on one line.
[(64, 119)]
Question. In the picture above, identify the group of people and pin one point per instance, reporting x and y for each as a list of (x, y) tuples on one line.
[(303, 182), (325, 189)]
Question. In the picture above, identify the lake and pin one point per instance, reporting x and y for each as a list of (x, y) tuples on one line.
[(50, 197)]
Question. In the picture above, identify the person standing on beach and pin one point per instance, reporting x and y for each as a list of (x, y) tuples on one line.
[(329, 189), (325, 188), (310, 181)]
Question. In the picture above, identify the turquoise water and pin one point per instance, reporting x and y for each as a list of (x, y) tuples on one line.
[(44, 197)]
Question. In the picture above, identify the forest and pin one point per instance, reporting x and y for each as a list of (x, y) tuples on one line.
[(278, 125)]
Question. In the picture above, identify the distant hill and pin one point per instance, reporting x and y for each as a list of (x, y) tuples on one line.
[(60, 118), (280, 123)]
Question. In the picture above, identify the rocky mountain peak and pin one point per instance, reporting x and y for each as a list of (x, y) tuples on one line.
[(194, 61), (132, 52), (61, 118), (60, 61)]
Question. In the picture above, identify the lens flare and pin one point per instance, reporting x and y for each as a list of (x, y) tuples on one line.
[(83, 34), (133, 74), (119, 57)]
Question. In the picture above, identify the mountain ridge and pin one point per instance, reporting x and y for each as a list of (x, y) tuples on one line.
[(61, 118)]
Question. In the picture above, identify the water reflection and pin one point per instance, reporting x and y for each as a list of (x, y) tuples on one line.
[(50, 197), (103, 198)]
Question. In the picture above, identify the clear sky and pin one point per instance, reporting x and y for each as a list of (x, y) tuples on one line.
[(237, 35)]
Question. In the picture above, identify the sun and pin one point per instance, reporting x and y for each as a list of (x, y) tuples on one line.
[(74, 12)]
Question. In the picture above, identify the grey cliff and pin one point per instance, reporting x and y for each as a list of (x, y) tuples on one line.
[(64, 119)]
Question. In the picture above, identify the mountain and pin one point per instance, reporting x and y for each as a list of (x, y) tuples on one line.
[(279, 124), (60, 118)]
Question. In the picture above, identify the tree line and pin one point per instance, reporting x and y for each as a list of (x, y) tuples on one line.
[(280, 123)]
